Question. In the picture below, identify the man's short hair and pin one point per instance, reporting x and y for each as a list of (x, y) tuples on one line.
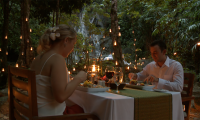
[(160, 43)]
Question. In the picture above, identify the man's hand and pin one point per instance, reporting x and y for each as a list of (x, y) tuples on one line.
[(151, 79), (132, 76)]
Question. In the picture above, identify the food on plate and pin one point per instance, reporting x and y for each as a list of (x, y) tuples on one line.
[(133, 82), (142, 84), (87, 83)]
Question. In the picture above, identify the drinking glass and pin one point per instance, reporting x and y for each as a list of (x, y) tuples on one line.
[(118, 77), (109, 73)]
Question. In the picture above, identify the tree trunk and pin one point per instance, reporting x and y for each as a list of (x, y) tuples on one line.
[(26, 53), (3, 79), (115, 38), (57, 12)]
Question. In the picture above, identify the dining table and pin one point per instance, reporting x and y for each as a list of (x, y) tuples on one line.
[(130, 104)]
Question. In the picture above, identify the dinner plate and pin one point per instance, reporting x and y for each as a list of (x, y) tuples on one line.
[(160, 90), (86, 89), (145, 87)]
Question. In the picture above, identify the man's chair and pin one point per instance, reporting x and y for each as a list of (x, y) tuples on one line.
[(187, 93), (22, 92)]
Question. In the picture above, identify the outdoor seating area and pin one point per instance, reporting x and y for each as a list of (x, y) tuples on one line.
[(100, 60)]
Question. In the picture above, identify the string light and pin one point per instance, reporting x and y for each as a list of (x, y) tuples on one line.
[(22, 53), (198, 43), (134, 39), (27, 40), (116, 63), (104, 36), (6, 52), (6, 37), (0, 49), (119, 27), (74, 69), (128, 67), (119, 33), (115, 43), (132, 31), (2, 69), (175, 53), (26, 19), (31, 48), (16, 65), (110, 30), (84, 66), (21, 37), (69, 72), (30, 30)]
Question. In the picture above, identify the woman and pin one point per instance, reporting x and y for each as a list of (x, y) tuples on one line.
[(52, 78)]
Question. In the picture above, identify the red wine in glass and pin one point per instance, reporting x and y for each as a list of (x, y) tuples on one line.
[(109, 75)]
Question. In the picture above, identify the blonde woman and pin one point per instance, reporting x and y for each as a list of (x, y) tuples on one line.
[(52, 78)]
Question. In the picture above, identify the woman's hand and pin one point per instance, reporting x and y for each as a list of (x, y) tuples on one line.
[(82, 76)]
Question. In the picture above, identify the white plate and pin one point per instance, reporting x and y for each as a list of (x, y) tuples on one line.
[(145, 87), (85, 89), (160, 90)]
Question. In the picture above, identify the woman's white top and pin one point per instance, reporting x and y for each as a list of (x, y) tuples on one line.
[(47, 105)]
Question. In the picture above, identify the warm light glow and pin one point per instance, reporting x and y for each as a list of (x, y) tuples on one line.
[(130, 63), (183, 107), (134, 44), (6, 52), (116, 63), (136, 55), (6, 37), (20, 37), (175, 53), (128, 67), (119, 27), (119, 33), (104, 36), (110, 31), (27, 40), (76, 63), (122, 55), (2, 69), (22, 53), (93, 68), (103, 48), (135, 60), (69, 72), (98, 69), (16, 65), (30, 30), (132, 31), (0, 49), (113, 53), (107, 58), (198, 43), (85, 67), (90, 36), (26, 19), (87, 51), (139, 58), (1, 60), (31, 48), (134, 39), (74, 69), (115, 43)]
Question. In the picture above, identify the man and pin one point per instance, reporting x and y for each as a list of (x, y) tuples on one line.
[(163, 71)]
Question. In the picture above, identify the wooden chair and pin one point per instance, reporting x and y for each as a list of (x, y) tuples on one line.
[(17, 97), (187, 93)]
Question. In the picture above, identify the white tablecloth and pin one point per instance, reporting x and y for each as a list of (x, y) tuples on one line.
[(108, 106)]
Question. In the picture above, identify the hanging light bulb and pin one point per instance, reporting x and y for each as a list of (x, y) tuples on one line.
[(116, 63), (2, 69), (26, 19), (198, 43), (119, 27), (69, 72), (115, 43), (128, 67), (175, 53), (6, 52), (119, 34), (6, 37), (110, 30), (16, 65), (21, 37), (31, 48), (74, 69), (30, 30)]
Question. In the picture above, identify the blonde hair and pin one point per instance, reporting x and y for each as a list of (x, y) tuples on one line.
[(46, 42)]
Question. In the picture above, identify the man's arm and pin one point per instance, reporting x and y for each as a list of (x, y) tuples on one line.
[(177, 83)]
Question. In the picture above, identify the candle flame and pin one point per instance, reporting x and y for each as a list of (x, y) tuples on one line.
[(115, 43), (16, 65)]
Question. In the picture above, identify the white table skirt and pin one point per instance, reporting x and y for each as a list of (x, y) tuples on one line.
[(108, 106)]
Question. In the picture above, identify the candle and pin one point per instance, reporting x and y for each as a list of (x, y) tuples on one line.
[(115, 43), (16, 65), (31, 49), (6, 52), (2, 69), (119, 33), (74, 69), (119, 27), (6, 37), (20, 37), (116, 63), (30, 30), (110, 30)]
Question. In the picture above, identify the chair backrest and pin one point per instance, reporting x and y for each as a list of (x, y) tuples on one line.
[(188, 84), (22, 92)]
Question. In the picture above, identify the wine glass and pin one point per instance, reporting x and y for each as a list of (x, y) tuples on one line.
[(118, 77), (109, 73)]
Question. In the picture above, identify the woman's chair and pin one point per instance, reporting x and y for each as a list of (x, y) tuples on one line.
[(187, 93), (22, 92)]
